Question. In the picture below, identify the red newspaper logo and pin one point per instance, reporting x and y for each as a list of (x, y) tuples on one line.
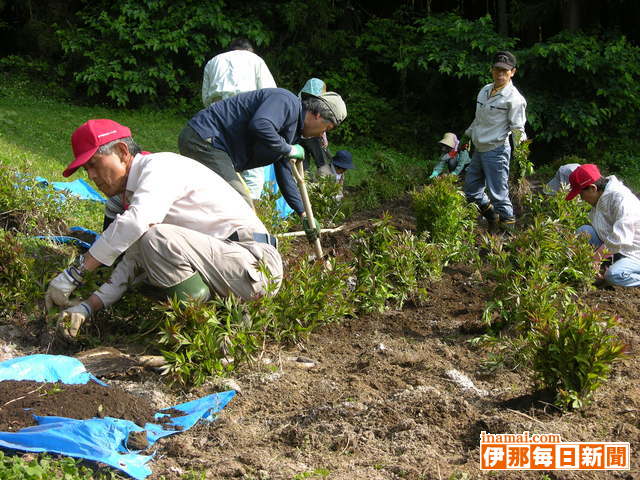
[(549, 452)]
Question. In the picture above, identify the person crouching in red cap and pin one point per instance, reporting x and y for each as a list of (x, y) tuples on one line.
[(186, 228), (615, 222)]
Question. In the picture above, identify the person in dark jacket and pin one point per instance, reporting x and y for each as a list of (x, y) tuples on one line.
[(259, 128)]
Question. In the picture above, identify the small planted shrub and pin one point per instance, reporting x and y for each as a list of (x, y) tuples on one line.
[(571, 214), (268, 213), (521, 168), (574, 355), (546, 245), (442, 211), (16, 275), (522, 302), (327, 207), (204, 339), (200, 340), (310, 296), (392, 267)]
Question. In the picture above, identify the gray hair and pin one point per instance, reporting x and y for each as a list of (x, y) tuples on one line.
[(108, 148), (315, 105)]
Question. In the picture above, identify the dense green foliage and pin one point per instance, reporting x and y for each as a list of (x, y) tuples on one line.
[(138, 51), (392, 267), (443, 212), (538, 320), (574, 354), (45, 467)]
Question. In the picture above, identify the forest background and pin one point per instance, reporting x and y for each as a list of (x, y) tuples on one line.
[(408, 70)]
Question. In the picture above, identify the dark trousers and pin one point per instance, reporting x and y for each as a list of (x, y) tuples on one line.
[(193, 146)]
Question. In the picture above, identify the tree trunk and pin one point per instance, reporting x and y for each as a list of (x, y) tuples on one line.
[(571, 15), (503, 22)]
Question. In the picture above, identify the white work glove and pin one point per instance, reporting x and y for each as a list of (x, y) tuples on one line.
[(70, 320), (63, 285)]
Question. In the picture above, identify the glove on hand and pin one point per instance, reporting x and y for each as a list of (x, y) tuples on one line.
[(312, 233), (63, 285), (297, 152), (432, 176), (70, 321)]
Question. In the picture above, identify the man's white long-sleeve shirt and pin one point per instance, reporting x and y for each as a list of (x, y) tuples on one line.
[(497, 116), (234, 72), (616, 219), (172, 189)]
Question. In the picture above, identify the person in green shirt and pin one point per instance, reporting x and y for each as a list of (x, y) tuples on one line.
[(454, 158)]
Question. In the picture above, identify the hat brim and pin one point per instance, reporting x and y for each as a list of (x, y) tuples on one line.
[(506, 66), (78, 162), (573, 193), (349, 166)]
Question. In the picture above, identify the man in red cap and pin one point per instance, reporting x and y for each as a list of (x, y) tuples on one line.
[(187, 229), (615, 222)]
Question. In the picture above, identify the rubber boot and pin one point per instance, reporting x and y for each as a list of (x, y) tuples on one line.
[(508, 225), (492, 217), (193, 288)]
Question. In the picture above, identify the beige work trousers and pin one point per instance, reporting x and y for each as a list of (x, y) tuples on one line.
[(170, 254)]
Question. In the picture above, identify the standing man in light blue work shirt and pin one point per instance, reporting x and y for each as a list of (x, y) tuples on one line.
[(500, 111)]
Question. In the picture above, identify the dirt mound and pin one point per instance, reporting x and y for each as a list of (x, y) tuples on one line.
[(20, 400)]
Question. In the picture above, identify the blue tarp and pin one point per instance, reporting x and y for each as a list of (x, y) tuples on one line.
[(281, 204), (98, 439), (78, 188), (73, 240)]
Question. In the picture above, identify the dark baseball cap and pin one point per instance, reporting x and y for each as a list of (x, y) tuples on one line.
[(504, 59)]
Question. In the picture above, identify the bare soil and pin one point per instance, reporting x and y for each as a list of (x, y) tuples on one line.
[(375, 397), (20, 400)]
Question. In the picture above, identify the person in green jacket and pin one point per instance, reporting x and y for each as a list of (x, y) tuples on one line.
[(454, 158)]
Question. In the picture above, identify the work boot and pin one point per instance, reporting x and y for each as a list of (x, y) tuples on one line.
[(193, 288), (492, 217), (508, 225)]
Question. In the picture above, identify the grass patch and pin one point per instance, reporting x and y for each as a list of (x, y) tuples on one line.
[(35, 129)]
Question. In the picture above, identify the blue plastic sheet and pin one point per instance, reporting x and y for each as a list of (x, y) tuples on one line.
[(98, 439), (72, 240), (281, 204), (65, 239), (78, 188), (46, 368)]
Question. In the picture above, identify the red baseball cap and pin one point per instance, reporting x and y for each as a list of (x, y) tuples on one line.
[(582, 177), (90, 136)]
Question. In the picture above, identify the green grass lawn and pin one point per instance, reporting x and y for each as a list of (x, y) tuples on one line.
[(35, 129), (35, 133)]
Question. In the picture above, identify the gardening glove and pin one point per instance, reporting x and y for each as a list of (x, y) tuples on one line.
[(433, 175), (325, 170), (312, 233), (63, 285), (297, 152), (70, 321)]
